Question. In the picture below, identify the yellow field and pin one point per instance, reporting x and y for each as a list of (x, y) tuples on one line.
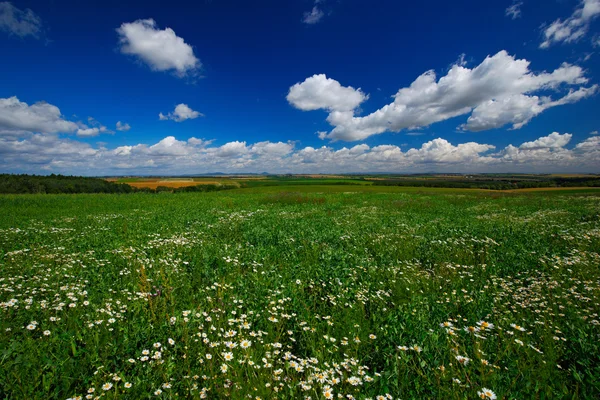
[(151, 183)]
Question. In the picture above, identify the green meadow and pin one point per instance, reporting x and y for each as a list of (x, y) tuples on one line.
[(301, 292)]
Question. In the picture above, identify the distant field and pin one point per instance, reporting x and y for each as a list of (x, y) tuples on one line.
[(172, 182)]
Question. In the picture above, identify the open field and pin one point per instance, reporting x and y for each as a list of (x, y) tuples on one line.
[(365, 292), (153, 183)]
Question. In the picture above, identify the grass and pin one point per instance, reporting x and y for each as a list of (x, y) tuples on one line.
[(287, 292)]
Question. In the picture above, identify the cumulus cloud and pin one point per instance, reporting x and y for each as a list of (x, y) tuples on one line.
[(123, 127), (318, 91), (519, 109), (19, 23), (17, 118), (232, 149), (573, 28), (36, 152), (161, 50), (269, 149), (514, 10), (500, 90), (88, 132), (313, 16), (553, 141), (181, 113), (40, 117)]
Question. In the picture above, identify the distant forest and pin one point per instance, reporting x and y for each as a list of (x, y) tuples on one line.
[(494, 183), (20, 184)]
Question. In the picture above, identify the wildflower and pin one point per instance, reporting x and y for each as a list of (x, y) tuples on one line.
[(354, 381), (31, 327), (417, 348), (245, 344), (166, 386), (171, 342), (403, 348), (107, 386), (157, 392), (446, 324), (372, 337), (224, 368), (486, 394), (463, 360), (485, 325), (127, 385), (328, 392), (46, 333), (157, 345), (517, 327), (228, 356)]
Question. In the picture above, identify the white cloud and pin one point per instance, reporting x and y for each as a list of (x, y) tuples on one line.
[(181, 113), (499, 89), (441, 151), (318, 91), (518, 109), (17, 118), (123, 127), (573, 28), (169, 146), (553, 141), (18, 22), (269, 149), (232, 149), (313, 16), (589, 148), (36, 152), (88, 132), (514, 10), (39, 117), (161, 50), (593, 132)]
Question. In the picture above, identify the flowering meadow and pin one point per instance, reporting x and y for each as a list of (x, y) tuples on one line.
[(397, 294)]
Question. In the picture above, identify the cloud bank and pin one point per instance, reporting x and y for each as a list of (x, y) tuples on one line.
[(35, 152)]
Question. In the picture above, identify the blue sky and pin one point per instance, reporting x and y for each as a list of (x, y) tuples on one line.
[(274, 86)]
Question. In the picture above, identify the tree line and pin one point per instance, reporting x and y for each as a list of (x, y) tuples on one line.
[(57, 184), (494, 184)]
